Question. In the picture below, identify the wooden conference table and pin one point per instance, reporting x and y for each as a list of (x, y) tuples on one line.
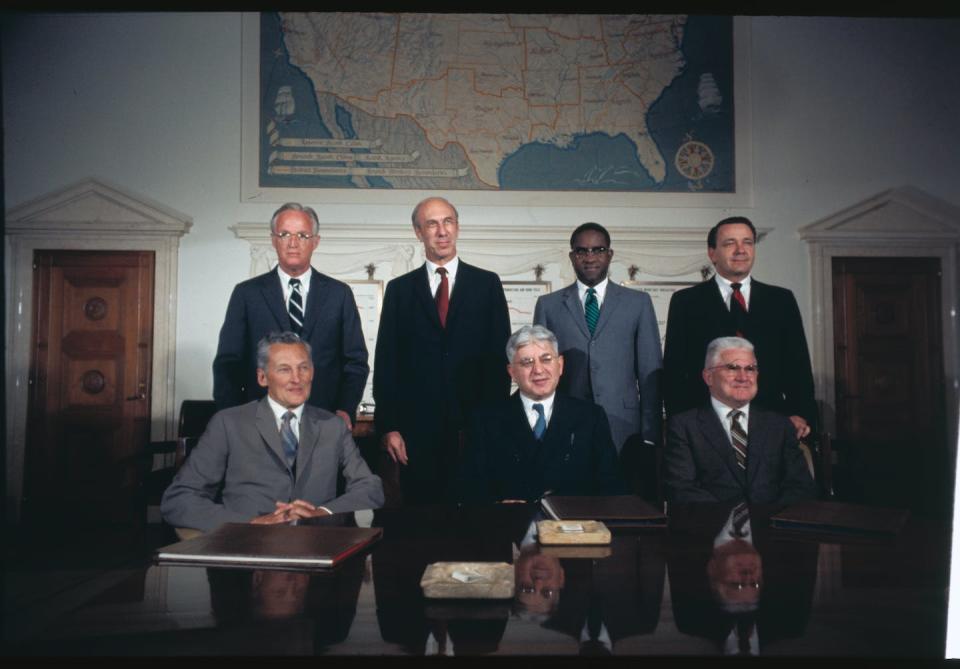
[(659, 592)]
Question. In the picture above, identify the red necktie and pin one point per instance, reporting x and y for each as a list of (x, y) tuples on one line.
[(443, 296), (738, 307)]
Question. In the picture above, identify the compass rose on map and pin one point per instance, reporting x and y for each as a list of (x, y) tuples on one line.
[(694, 160)]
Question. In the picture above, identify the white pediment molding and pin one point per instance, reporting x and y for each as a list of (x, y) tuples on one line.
[(91, 215), (905, 214), (899, 222), (94, 206)]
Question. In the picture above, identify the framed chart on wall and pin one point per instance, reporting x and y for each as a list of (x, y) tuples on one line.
[(521, 300), (368, 294)]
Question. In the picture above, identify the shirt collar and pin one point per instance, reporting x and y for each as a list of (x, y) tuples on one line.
[(547, 403), (722, 410), (278, 410), (600, 288), (451, 267), (304, 279)]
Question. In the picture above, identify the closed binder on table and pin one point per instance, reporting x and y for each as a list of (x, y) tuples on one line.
[(840, 518), (614, 510), (249, 546)]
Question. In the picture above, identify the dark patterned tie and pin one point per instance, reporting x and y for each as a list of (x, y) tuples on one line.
[(289, 439), (738, 438), (741, 514), (541, 425), (295, 306), (591, 309), (443, 296), (738, 308)]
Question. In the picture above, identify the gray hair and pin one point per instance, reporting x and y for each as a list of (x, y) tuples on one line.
[(294, 206), (527, 335), (721, 344), (416, 210), (263, 346)]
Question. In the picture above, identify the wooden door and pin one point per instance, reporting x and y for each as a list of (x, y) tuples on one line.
[(891, 423), (89, 404)]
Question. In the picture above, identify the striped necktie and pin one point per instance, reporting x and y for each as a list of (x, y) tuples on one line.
[(289, 439), (295, 306), (738, 308), (591, 309), (738, 437)]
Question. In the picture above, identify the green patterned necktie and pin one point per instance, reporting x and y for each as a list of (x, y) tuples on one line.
[(591, 309)]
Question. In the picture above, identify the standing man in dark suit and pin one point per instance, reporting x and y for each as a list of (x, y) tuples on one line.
[(733, 303), (728, 449), (609, 339), (442, 331), (538, 441), (297, 298)]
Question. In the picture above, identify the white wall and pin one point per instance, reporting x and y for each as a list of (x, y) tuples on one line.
[(841, 109)]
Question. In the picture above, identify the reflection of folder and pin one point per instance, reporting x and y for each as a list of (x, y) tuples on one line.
[(842, 518), (270, 546), (613, 510)]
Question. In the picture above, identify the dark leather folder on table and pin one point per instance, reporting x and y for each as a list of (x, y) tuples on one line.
[(614, 510), (840, 518), (270, 546)]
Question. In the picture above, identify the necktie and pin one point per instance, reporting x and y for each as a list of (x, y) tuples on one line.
[(295, 306), (591, 309), (738, 438), (541, 425), (741, 514), (443, 296), (738, 308), (288, 439)]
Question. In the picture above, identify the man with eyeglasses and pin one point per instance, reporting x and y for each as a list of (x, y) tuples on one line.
[(297, 298), (538, 441), (734, 303), (728, 449), (610, 340)]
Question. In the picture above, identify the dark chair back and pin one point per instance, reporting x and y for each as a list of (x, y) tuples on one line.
[(194, 416)]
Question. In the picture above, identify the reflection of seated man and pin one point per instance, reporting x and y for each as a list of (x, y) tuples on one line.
[(539, 578), (272, 460), (731, 450), (538, 441), (735, 574)]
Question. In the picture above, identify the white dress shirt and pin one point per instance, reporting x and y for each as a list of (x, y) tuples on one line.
[(434, 279), (600, 288), (532, 414), (722, 411), (726, 291), (304, 286)]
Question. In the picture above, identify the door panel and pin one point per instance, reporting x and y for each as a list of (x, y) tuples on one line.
[(89, 407)]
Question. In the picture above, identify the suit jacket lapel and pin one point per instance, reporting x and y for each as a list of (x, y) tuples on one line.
[(267, 427), (421, 287), (316, 302), (309, 436), (571, 299), (559, 435), (719, 440), (757, 429), (610, 301), (272, 293)]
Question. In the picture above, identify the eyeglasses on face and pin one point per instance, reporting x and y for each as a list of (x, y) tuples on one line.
[(287, 236), (732, 369), (584, 251), (527, 363)]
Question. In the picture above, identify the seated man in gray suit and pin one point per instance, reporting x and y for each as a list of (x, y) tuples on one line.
[(272, 460), (730, 450), (538, 441)]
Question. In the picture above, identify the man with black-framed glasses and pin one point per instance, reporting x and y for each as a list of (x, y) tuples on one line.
[(730, 450), (609, 337), (297, 298)]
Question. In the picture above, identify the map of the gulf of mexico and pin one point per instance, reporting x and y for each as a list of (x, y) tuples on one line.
[(565, 102)]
